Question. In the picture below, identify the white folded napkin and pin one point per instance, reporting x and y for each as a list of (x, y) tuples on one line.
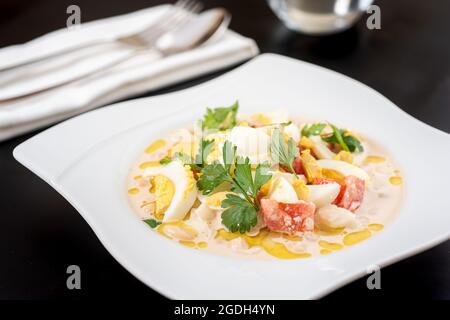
[(142, 72)]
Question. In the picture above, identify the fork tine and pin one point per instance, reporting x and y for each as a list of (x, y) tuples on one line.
[(169, 13), (195, 6), (178, 16), (189, 4), (158, 29), (181, 7), (181, 3)]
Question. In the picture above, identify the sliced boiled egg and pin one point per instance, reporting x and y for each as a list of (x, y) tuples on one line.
[(292, 131), (323, 194), (320, 148), (335, 217), (287, 175), (267, 118), (343, 167), (282, 191), (216, 151), (251, 143), (175, 190)]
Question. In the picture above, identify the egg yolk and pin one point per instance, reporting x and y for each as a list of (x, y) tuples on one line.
[(215, 200), (301, 189), (164, 190), (310, 165), (265, 188), (261, 118), (306, 143), (332, 174), (344, 156), (216, 150), (191, 181)]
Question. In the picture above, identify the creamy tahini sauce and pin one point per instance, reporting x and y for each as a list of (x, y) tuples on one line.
[(383, 196)]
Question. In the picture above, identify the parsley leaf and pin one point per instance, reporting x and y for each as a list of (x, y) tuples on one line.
[(313, 130), (243, 176), (282, 152), (152, 222), (240, 215), (353, 143), (213, 175), (336, 137), (204, 150), (228, 154), (220, 118), (242, 207), (200, 159), (262, 176)]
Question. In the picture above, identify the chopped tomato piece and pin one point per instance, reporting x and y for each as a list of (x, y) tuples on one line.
[(297, 165), (351, 194), (288, 217)]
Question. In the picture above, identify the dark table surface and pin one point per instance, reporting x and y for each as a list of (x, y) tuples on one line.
[(408, 61)]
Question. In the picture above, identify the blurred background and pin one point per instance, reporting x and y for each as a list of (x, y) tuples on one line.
[(407, 60)]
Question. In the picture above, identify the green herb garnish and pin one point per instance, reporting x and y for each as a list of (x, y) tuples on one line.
[(240, 214), (200, 159), (313, 130), (213, 175), (339, 136), (241, 208), (165, 160), (152, 222), (345, 140), (203, 152), (220, 118), (353, 143), (184, 158), (282, 152)]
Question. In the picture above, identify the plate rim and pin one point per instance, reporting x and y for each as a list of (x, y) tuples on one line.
[(19, 156)]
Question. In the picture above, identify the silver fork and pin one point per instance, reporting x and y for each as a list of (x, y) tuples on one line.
[(173, 19), (180, 12)]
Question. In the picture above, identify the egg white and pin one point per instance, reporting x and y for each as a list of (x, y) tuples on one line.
[(251, 142), (292, 131), (320, 148), (185, 189), (323, 194), (283, 191), (343, 167), (335, 217), (287, 175)]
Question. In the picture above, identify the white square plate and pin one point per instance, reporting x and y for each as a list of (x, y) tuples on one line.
[(87, 159)]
